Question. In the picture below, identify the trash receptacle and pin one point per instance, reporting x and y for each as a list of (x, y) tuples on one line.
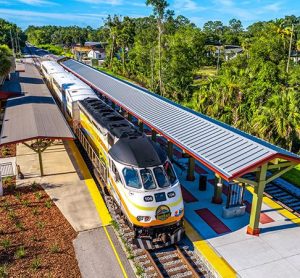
[(202, 182)]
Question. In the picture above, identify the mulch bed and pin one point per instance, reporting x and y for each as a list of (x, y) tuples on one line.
[(31, 222), (8, 151)]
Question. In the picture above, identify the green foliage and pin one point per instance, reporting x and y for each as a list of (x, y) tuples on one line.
[(5, 243), (115, 225), (40, 224), (3, 271), (12, 215), (48, 204), (38, 195), (35, 212), (25, 203), (18, 196), (54, 248), (20, 225), (20, 253), (36, 263)]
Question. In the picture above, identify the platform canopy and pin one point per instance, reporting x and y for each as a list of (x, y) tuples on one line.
[(227, 151), (33, 117)]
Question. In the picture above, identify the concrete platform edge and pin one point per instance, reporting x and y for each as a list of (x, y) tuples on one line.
[(217, 265)]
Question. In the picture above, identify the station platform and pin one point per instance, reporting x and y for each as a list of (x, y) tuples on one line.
[(70, 185), (274, 253)]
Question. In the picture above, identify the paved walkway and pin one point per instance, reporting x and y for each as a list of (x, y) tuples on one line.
[(68, 182)]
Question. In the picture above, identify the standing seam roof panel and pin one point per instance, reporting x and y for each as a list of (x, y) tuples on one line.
[(186, 129)]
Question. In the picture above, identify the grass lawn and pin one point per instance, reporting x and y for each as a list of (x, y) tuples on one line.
[(293, 176)]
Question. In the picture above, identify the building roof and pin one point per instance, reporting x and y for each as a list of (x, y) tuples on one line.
[(224, 149), (33, 117)]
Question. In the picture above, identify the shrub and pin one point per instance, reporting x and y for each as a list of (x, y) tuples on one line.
[(6, 205), (18, 196), (38, 195), (40, 224), (5, 243), (48, 204), (3, 271), (35, 211), (11, 214), (54, 248), (20, 225), (25, 203), (20, 253), (34, 186), (36, 263)]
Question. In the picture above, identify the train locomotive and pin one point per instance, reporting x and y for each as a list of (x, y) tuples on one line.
[(140, 177)]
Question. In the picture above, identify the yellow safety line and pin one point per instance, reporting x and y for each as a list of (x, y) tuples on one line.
[(97, 199), (220, 265), (280, 209)]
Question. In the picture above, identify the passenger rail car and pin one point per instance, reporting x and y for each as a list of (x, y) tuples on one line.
[(141, 178)]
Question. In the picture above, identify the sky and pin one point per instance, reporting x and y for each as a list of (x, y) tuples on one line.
[(93, 12)]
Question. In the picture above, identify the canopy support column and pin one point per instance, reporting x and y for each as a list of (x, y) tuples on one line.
[(218, 190), (253, 228), (153, 135), (191, 169), (39, 147), (129, 117), (141, 126), (170, 150)]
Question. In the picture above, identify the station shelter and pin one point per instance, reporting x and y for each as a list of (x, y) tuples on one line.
[(230, 153)]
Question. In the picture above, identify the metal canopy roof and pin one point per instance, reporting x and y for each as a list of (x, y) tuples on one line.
[(224, 149), (33, 117)]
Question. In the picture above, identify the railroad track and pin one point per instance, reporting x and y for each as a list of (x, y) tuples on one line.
[(282, 195), (176, 261)]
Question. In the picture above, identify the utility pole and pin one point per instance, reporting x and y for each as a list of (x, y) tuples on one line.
[(18, 43), (290, 49), (12, 43)]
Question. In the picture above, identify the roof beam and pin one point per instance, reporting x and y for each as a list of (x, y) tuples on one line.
[(280, 173), (251, 182), (281, 165)]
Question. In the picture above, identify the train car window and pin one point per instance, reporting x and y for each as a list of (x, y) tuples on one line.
[(110, 140), (147, 179), (170, 172), (115, 171), (132, 178), (160, 176)]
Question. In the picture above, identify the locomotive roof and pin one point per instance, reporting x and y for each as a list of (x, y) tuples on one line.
[(139, 152), (106, 117), (133, 147)]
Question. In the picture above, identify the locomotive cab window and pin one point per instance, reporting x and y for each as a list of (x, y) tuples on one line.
[(132, 178), (170, 172), (160, 176), (147, 179)]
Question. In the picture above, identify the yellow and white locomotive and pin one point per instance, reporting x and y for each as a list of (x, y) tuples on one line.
[(140, 178)]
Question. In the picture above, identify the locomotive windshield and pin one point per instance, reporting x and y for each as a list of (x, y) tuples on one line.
[(161, 178), (147, 179), (150, 178), (170, 172), (132, 178)]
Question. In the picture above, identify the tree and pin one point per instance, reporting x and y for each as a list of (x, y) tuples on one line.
[(159, 10), (5, 60)]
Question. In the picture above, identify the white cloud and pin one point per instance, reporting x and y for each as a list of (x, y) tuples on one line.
[(43, 15), (274, 7), (187, 5), (109, 2), (38, 2)]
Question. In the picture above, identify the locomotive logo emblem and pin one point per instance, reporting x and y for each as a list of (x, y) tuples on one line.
[(163, 212)]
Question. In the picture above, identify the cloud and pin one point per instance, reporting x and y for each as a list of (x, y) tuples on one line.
[(187, 5), (109, 2), (66, 16), (274, 7), (38, 2)]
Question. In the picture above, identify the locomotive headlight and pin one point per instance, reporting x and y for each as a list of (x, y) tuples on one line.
[(140, 218)]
